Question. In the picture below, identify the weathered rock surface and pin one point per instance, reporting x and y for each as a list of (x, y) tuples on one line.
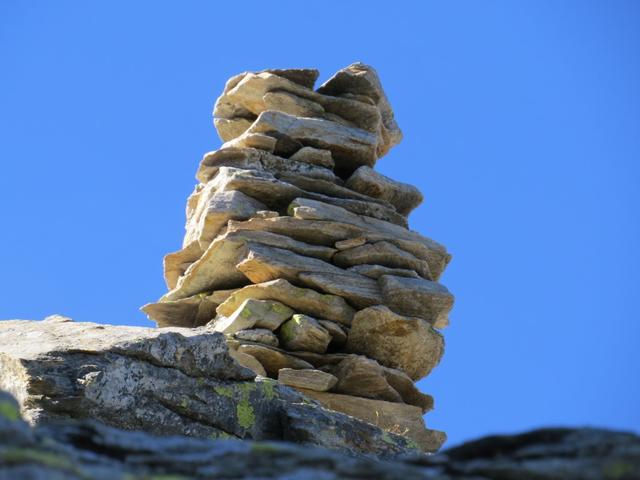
[(302, 300), (304, 333), (406, 343), (403, 196), (258, 335), (403, 419), (418, 298), (89, 450), (165, 382)]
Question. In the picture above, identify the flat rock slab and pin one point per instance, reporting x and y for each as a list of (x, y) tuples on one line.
[(302, 300), (315, 380), (403, 196), (253, 313), (409, 344)]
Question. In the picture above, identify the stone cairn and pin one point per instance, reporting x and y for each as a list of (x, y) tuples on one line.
[(300, 253)]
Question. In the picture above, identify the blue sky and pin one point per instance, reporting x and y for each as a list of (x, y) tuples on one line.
[(522, 128)]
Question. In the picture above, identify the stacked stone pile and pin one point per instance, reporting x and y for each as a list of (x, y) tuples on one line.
[(300, 252)]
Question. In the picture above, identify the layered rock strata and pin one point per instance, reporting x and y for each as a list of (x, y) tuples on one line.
[(300, 253)]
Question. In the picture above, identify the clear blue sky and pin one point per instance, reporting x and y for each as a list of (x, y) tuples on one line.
[(522, 128)]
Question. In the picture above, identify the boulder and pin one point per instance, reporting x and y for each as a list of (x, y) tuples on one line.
[(407, 343)]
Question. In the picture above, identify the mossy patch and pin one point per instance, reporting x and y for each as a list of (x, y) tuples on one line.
[(268, 387)]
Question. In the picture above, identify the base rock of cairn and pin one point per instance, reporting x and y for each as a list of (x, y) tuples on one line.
[(299, 251)]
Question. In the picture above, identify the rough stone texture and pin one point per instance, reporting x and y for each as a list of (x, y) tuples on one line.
[(304, 333), (418, 298), (302, 300), (258, 335), (253, 313), (406, 343), (165, 382), (403, 419), (89, 450), (315, 380), (403, 196)]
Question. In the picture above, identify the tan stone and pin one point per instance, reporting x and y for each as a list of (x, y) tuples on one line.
[(315, 380), (248, 361), (402, 196), (416, 297), (382, 253), (363, 377), (273, 360), (302, 300), (338, 335), (188, 312), (315, 156), (176, 263), (358, 290), (350, 243), (309, 209), (406, 343), (394, 417), (304, 333), (250, 313)]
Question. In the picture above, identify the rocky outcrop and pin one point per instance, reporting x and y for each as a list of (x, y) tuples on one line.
[(300, 253), (169, 381), (89, 450)]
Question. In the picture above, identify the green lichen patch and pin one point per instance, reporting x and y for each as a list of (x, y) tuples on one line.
[(268, 388), (9, 411), (245, 414), (224, 391)]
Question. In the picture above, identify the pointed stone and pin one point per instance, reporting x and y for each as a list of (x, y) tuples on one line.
[(361, 79), (315, 380), (416, 297), (176, 263), (249, 362), (188, 312), (402, 196), (302, 300)]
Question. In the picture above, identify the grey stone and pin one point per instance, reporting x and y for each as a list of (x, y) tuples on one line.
[(407, 343), (314, 156), (258, 335)]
